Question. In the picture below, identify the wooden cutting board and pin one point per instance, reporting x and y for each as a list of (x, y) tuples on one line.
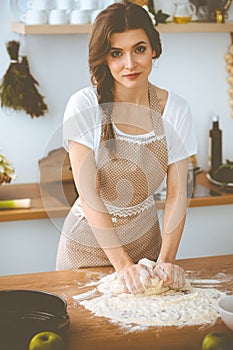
[(55, 166), (56, 179)]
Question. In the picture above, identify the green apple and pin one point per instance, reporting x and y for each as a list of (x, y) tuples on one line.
[(217, 341), (46, 341)]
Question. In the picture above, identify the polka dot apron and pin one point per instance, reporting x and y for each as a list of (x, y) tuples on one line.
[(127, 184)]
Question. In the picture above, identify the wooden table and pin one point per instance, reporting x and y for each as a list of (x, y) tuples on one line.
[(87, 332)]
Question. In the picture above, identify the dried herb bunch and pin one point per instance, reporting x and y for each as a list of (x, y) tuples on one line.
[(18, 89)]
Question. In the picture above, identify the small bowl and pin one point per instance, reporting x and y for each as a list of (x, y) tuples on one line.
[(225, 307)]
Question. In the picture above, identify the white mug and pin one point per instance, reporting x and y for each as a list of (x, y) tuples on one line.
[(57, 16), (39, 4), (88, 4), (79, 17), (65, 4), (35, 17)]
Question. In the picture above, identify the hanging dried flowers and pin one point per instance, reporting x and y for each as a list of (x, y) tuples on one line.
[(18, 89)]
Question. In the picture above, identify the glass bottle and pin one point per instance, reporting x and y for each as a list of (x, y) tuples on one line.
[(215, 145)]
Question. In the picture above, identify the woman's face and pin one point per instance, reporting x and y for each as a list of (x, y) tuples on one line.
[(130, 58)]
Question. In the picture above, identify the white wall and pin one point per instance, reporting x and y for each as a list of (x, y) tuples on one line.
[(192, 65), (28, 246), (208, 231)]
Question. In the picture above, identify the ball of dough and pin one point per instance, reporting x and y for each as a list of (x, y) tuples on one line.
[(157, 286)]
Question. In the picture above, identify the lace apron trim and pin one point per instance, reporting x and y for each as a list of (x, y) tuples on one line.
[(134, 210)]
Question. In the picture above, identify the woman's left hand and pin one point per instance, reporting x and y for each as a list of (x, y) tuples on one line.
[(172, 275)]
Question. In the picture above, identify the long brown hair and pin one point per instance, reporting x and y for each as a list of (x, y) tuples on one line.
[(116, 18)]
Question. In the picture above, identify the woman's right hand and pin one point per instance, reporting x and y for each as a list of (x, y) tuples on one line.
[(135, 278)]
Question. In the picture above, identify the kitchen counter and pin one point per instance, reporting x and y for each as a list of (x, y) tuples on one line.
[(87, 332), (55, 199)]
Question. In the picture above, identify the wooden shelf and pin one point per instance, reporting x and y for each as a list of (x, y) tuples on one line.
[(55, 200), (47, 201), (24, 29), (192, 27), (196, 27)]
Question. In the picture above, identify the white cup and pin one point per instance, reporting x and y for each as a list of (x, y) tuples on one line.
[(79, 17), (39, 4), (88, 4), (65, 4), (35, 17), (57, 16), (94, 14)]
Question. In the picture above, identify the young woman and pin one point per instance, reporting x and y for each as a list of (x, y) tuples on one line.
[(125, 137)]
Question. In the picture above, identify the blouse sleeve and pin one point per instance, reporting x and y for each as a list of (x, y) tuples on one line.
[(181, 136), (79, 122)]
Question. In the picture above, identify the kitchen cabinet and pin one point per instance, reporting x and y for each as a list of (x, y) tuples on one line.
[(191, 27)]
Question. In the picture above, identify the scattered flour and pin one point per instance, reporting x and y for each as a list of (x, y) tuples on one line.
[(157, 307), (86, 295)]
